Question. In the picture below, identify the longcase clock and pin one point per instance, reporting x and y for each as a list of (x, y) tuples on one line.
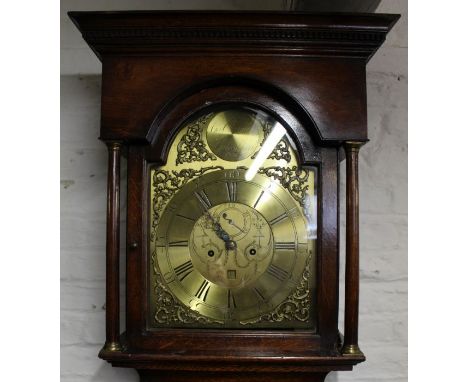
[(233, 125)]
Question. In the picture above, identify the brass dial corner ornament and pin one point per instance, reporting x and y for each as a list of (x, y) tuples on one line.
[(165, 183), (229, 249), (191, 147), (295, 307), (281, 151)]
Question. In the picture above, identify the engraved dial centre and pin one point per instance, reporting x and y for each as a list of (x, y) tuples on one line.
[(240, 258)]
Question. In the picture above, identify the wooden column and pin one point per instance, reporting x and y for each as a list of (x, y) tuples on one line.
[(112, 249), (350, 343)]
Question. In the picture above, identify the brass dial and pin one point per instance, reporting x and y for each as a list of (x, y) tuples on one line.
[(234, 135), (231, 249), (232, 227)]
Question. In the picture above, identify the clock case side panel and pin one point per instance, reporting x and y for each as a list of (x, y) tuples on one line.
[(298, 343)]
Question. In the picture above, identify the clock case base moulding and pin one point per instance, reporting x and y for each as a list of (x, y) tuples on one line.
[(160, 68), (172, 368)]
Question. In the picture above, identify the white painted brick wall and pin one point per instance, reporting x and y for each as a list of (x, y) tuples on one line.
[(383, 183)]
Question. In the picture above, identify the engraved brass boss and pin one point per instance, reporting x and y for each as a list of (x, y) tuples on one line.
[(233, 135)]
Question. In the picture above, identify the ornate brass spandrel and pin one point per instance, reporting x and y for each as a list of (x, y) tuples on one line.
[(298, 182), (281, 151), (294, 179), (297, 306), (191, 147), (165, 183), (170, 311)]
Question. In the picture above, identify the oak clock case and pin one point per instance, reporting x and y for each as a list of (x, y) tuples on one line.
[(232, 227)]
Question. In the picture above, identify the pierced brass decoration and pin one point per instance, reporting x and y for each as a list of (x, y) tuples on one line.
[(191, 147), (166, 183), (295, 307), (296, 181), (281, 151), (291, 178), (170, 311)]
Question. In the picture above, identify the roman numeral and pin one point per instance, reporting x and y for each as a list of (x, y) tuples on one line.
[(183, 270), (231, 300), (182, 243), (277, 272), (203, 290), (203, 199), (232, 191), (294, 212), (258, 199), (288, 245), (279, 218), (259, 294)]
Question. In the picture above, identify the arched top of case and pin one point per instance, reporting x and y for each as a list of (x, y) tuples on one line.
[(234, 92)]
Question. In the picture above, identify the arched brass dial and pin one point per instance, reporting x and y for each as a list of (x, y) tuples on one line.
[(232, 226)]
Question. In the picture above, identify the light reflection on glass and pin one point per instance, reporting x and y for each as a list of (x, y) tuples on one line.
[(268, 146)]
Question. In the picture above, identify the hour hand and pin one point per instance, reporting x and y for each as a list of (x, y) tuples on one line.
[(221, 233)]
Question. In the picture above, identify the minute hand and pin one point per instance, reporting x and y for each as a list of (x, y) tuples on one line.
[(222, 234), (219, 231)]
